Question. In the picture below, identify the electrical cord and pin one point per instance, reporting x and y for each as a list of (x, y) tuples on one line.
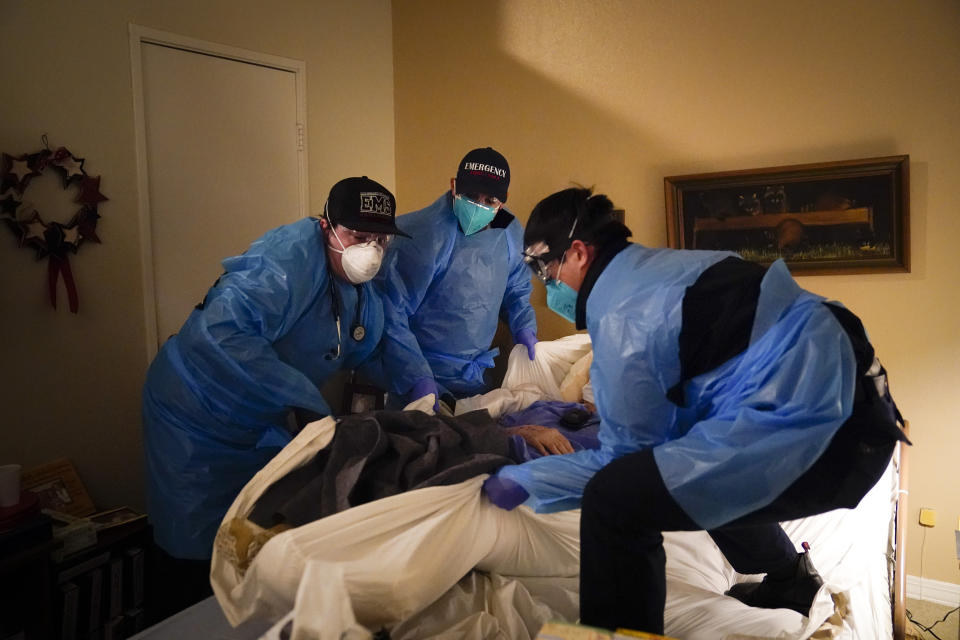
[(929, 629), (922, 543), (925, 628)]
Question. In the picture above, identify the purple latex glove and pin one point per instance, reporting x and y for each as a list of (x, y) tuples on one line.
[(504, 493), (528, 338), (423, 387)]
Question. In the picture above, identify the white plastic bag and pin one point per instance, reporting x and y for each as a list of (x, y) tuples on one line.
[(397, 555), (384, 560)]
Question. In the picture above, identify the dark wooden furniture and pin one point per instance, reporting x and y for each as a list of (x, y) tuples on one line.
[(99, 591)]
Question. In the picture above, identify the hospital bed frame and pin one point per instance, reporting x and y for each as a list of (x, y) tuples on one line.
[(900, 548)]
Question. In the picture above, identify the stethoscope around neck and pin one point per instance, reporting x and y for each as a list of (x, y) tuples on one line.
[(357, 330)]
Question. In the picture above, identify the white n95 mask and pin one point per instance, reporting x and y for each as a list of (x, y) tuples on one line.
[(360, 262)]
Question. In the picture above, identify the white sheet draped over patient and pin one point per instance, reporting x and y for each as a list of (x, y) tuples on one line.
[(395, 556), (404, 562)]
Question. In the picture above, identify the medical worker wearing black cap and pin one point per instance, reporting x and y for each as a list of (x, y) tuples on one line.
[(445, 292), (286, 314)]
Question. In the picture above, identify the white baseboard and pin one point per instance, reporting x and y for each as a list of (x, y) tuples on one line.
[(933, 591)]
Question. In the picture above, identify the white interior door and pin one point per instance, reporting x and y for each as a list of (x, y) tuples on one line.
[(223, 162)]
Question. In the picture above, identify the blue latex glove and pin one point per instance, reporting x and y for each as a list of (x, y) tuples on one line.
[(423, 387), (504, 493), (528, 338)]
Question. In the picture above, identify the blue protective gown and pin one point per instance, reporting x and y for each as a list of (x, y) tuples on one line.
[(217, 396), (444, 293), (748, 428)]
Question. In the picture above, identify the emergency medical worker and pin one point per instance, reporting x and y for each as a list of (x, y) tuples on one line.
[(730, 399), (285, 315), (445, 292)]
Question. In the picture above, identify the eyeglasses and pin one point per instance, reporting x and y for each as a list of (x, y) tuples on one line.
[(539, 266), (362, 237), (541, 269), (482, 199)]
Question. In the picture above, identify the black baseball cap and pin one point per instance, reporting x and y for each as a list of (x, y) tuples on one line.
[(362, 204), (484, 171)]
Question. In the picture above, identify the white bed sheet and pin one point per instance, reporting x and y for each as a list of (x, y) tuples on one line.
[(404, 562), (849, 548)]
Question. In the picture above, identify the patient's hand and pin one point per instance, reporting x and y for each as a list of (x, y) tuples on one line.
[(544, 439)]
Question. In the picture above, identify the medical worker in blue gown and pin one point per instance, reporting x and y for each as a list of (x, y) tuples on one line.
[(285, 315), (730, 399), (446, 292)]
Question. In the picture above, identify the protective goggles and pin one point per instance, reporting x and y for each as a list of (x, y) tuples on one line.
[(482, 200), (539, 257), (362, 237), (540, 266), (359, 237)]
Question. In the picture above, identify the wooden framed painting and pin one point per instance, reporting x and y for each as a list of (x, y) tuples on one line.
[(851, 216)]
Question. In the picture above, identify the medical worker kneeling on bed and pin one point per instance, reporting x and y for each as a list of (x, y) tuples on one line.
[(446, 292), (730, 399), (285, 315)]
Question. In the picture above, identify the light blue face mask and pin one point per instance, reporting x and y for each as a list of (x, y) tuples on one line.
[(561, 298), (472, 216)]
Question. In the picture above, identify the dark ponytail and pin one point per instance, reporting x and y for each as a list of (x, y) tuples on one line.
[(599, 226), (554, 216)]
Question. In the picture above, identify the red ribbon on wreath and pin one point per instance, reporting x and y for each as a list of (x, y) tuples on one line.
[(54, 240)]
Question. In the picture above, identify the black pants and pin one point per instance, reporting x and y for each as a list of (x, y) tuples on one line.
[(622, 561), (626, 506)]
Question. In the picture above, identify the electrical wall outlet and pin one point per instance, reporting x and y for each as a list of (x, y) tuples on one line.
[(928, 517), (958, 543)]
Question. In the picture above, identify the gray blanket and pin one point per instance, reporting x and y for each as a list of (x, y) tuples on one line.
[(382, 453)]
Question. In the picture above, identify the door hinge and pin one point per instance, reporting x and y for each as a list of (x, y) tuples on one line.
[(300, 136)]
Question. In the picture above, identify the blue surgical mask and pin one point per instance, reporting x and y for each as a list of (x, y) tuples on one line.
[(472, 216), (561, 298)]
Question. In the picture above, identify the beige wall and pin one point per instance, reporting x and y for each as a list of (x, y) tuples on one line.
[(620, 94), (612, 94), (71, 384)]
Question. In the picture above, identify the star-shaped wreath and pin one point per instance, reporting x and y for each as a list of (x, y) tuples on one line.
[(51, 240)]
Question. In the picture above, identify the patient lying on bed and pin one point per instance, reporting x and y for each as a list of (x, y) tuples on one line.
[(405, 562), (383, 453), (382, 513)]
